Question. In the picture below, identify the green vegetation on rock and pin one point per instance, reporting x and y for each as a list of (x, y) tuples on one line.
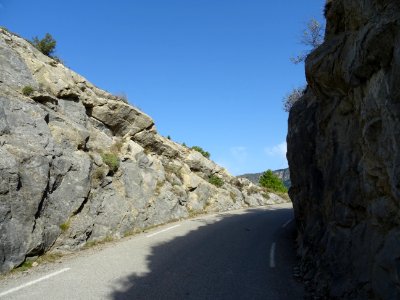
[(26, 265), (27, 90), (46, 45), (271, 182), (215, 180), (202, 151), (111, 160), (65, 226)]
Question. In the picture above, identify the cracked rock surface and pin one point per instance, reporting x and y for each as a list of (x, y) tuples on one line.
[(344, 155)]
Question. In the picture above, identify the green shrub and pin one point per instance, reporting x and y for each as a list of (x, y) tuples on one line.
[(202, 151), (215, 180), (46, 45), (27, 90), (272, 182), (25, 266), (65, 226), (111, 160)]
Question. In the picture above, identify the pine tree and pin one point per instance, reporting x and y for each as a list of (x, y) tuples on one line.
[(270, 181)]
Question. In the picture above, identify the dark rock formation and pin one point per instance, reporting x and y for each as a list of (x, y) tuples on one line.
[(344, 155)]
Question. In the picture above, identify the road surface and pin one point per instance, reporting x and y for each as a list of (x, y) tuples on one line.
[(246, 254)]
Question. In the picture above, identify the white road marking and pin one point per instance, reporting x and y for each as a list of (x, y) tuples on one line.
[(33, 282), (287, 223), (272, 256), (164, 230)]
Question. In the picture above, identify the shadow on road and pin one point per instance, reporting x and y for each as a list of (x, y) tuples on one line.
[(227, 259)]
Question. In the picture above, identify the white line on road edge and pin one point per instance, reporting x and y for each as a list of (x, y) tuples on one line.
[(272, 256), (164, 230), (33, 282), (287, 223)]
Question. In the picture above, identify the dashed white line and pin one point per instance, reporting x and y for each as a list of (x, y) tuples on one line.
[(287, 223), (164, 230), (33, 282), (272, 255)]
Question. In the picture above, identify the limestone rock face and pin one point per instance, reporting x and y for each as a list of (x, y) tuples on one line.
[(77, 164), (344, 154)]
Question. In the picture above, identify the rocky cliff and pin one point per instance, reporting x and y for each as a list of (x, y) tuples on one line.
[(77, 164), (344, 155)]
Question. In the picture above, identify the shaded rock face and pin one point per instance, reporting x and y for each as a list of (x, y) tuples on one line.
[(59, 186), (344, 154)]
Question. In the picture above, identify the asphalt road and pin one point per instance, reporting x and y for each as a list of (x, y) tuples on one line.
[(247, 254)]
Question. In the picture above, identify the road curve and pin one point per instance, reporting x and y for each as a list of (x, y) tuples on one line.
[(246, 254)]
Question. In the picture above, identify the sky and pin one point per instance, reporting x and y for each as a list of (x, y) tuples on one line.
[(211, 73)]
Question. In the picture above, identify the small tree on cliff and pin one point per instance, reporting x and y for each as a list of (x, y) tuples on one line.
[(292, 97), (202, 151), (46, 45), (312, 37), (270, 181)]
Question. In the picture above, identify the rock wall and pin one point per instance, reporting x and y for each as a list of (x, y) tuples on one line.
[(78, 164), (344, 155)]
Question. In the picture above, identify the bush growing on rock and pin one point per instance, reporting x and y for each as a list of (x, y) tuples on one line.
[(65, 226), (202, 151), (312, 37), (271, 182), (46, 45), (215, 180), (291, 98), (27, 90), (111, 160)]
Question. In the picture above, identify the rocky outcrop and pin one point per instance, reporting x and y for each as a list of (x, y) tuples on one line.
[(344, 155), (77, 164), (284, 175)]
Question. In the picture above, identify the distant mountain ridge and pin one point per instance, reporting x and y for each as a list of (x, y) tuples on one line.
[(283, 174)]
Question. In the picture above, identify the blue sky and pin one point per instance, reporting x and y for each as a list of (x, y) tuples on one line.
[(210, 72)]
